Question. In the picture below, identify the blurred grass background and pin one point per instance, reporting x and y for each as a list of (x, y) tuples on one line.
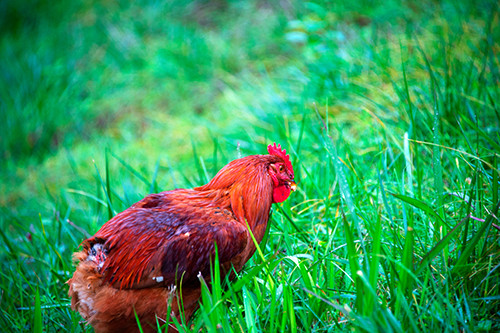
[(371, 98)]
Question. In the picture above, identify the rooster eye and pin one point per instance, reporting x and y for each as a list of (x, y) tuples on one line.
[(281, 168)]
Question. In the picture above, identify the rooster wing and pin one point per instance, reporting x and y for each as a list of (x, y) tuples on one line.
[(166, 239)]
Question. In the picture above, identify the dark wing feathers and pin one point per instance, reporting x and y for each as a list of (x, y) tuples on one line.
[(161, 239), (186, 256)]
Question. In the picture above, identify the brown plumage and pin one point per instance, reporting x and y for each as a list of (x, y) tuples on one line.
[(141, 257)]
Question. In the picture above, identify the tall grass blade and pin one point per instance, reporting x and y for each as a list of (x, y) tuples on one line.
[(249, 310), (37, 324), (408, 250), (289, 308), (139, 326)]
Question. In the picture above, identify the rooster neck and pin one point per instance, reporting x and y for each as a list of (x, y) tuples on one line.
[(245, 187), (249, 202)]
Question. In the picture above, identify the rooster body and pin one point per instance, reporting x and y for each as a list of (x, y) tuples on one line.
[(145, 257)]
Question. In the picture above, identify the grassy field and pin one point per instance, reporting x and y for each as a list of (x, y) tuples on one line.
[(390, 111)]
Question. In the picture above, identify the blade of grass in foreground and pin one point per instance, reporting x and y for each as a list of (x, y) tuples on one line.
[(289, 309), (37, 326), (249, 310), (138, 321), (405, 278)]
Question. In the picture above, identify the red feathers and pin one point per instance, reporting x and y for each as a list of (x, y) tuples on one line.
[(140, 258)]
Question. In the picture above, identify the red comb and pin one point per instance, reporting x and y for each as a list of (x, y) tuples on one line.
[(276, 151)]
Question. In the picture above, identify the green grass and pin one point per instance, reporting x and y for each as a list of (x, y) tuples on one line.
[(389, 111)]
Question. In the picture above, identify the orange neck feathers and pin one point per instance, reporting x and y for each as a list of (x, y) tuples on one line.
[(249, 187)]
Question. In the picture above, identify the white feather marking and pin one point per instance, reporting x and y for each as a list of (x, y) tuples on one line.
[(158, 278)]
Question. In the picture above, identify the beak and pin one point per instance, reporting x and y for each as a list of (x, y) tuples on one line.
[(292, 185)]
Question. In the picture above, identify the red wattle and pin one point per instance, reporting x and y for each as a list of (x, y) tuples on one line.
[(281, 193)]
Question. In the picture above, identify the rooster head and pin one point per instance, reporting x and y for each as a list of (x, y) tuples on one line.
[(281, 173)]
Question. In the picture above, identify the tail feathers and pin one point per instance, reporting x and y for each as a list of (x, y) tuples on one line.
[(84, 286), (109, 309)]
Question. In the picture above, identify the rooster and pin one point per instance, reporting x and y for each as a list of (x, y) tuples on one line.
[(150, 257)]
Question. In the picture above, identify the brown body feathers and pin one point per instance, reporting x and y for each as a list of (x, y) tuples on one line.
[(140, 258)]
